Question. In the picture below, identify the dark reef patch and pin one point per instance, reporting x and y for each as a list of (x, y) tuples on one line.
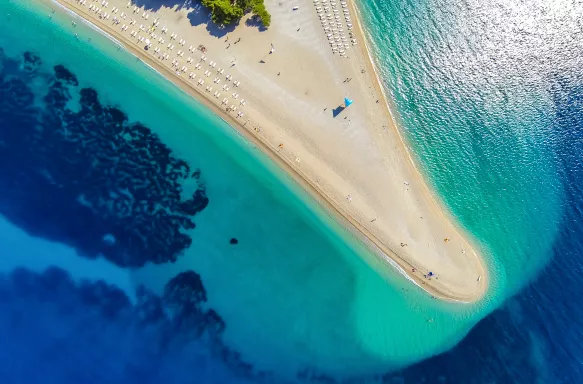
[(233, 241), (95, 325), (184, 296), (31, 62), (65, 75), (90, 178)]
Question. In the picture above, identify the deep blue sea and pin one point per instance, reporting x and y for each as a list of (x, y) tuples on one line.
[(141, 241)]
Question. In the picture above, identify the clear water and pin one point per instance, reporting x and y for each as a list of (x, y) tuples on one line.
[(489, 95), (471, 83), (297, 293)]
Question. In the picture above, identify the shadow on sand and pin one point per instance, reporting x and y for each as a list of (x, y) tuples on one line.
[(197, 15), (254, 21), (154, 5), (336, 111)]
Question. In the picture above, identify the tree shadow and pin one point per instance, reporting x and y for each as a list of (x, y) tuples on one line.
[(219, 30), (255, 21), (336, 111), (155, 5), (198, 15)]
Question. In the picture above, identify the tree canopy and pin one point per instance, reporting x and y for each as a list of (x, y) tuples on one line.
[(228, 12), (261, 12)]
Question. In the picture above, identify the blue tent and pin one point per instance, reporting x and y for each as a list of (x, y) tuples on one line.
[(347, 101)]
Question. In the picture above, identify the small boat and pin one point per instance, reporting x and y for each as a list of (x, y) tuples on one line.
[(296, 8)]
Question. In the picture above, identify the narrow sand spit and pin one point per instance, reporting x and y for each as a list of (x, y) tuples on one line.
[(352, 160)]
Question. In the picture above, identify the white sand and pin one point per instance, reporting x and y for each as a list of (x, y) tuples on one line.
[(362, 156)]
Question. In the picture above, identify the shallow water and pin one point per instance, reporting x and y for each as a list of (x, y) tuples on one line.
[(131, 192), (471, 87), (489, 95)]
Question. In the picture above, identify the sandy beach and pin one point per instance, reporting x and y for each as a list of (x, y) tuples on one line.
[(288, 88)]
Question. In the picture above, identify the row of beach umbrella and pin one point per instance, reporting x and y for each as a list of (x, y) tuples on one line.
[(329, 15), (152, 37)]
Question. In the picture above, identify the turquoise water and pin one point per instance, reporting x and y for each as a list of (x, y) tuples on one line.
[(297, 293), (471, 94)]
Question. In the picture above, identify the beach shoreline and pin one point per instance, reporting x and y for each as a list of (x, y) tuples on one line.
[(442, 208), (323, 199)]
